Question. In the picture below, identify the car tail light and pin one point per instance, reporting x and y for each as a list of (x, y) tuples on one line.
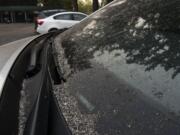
[(40, 22)]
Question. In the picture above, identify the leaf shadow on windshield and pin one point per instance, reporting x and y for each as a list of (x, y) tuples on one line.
[(147, 32)]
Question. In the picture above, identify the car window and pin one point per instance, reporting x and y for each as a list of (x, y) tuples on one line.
[(46, 13), (50, 13), (78, 17), (41, 15), (63, 17)]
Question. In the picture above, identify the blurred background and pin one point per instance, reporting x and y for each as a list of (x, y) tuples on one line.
[(20, 11)]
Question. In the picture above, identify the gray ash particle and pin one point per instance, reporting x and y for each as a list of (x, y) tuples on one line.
[(79, 124)]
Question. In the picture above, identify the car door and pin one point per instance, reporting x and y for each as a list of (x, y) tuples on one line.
[(64, 20)]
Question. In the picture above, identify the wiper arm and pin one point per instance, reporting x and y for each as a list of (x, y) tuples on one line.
[(34, 66)]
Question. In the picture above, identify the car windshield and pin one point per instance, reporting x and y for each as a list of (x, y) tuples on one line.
[(138, 41)]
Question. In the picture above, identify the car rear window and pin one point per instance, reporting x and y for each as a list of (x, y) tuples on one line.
[(47, 13), (41, 16), (50, 13), (63, 17), (78, 17)]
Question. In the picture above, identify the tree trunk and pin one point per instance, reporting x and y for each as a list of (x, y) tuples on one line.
[(75, 5), (95, 5)]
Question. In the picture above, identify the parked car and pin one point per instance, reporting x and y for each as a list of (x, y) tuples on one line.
[(59, 21), (46, 13)]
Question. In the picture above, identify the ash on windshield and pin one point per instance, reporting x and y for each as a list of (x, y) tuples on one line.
[(79, 123)]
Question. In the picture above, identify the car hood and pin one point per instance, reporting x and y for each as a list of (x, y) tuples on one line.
[(8, 54)]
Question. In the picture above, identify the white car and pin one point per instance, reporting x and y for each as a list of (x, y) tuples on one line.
[(59, 21)]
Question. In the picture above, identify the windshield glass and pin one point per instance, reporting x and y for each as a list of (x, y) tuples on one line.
[(136, 40)]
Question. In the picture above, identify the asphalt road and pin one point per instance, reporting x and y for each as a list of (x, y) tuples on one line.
[(13, 32)]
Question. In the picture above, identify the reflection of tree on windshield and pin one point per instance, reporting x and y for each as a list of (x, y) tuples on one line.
[(129, 37), (155, 49), (147, 31)]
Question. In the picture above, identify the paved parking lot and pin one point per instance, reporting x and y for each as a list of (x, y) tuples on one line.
[(13, 32)]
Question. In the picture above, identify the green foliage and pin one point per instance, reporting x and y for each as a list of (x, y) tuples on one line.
[(85, 7)]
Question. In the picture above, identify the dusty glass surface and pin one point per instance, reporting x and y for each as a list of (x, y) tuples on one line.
[(123, 60)]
